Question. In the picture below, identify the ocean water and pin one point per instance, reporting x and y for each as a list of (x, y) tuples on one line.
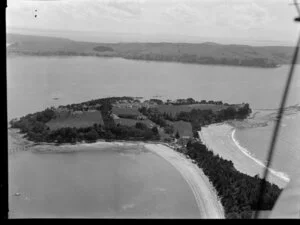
[(122, 183), (33, 82), (257, 140)]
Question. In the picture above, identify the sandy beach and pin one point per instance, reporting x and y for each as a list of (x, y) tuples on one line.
[(205, 194), (220, 138), (16, 142)]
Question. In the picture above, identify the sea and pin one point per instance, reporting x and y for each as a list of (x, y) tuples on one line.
[(115, 182), (34, 83)]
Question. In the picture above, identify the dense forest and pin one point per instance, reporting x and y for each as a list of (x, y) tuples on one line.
[(194, 58), (102, 51), (239, 192)]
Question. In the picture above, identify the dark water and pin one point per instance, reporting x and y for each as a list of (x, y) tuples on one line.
[(104, 183)]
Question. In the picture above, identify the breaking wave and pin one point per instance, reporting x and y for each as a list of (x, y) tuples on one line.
[(248, 154)]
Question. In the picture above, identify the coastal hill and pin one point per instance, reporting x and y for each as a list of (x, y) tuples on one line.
[(202, 53)]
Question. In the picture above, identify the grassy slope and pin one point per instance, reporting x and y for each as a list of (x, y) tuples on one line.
[(183, 128), (173, 109), (85, 119), (26, 43), (127, 111), (132, 122), (212, 107)]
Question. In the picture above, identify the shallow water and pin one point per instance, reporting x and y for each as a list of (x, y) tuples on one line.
[(286, 157), (105, 183)]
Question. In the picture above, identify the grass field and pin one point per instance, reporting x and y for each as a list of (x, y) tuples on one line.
[(126, 111), (85, 119), (213, 107), (183, 128), (174, 109), (132, 122)]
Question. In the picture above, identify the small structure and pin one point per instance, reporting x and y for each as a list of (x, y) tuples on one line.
[(85, 107), (183, 140), (77, 113), (114, 116), (141, 117)]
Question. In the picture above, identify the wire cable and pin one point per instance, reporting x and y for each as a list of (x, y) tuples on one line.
[(276, 129)]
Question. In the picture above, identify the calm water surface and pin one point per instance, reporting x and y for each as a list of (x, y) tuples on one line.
[(105, 183), (33, 82), (109, 184)]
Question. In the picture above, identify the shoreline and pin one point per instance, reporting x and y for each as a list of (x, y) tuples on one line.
[(220, 139), (205, 194), (97, 55), (248, 154), (206, 197)]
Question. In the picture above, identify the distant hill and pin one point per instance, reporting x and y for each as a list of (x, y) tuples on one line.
[(203, 53)]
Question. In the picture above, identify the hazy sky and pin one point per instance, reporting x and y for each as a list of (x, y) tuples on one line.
[(265, 20)]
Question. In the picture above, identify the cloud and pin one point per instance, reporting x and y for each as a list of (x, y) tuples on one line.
[(128, 8), (183, 13), (230, 18), (238, 15), (243, 15), (72, 13)]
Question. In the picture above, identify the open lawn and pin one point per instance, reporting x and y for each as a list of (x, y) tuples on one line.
[(184, 128), (126, 111), (82, 119), (213, 107), (132, 122), (174, 109)]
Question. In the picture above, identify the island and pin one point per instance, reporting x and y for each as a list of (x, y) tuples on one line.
[(172, 123)]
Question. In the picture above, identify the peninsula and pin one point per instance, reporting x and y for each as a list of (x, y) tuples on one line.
[(167, 124)]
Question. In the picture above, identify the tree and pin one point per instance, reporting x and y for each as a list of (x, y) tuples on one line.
[(195, 134), (141, 126), (157, 101), (59, 139), (109, 135), (148, 135), (92, 135), (169, 129), (155, 130), (190, 101), (177, 136)]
